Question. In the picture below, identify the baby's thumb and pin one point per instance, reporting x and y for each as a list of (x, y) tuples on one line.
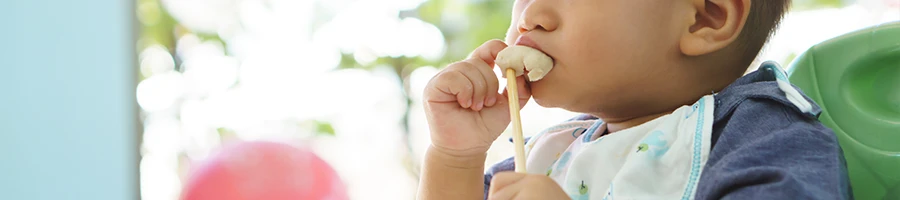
[(522, 88)]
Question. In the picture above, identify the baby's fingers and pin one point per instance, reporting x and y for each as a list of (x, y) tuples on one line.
[(454, 85), (487, 52), (479, 84), (471, 82), (486, 73), (483, 59)]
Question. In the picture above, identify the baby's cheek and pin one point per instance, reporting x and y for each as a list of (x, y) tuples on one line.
[(512, 32), (511, 36)]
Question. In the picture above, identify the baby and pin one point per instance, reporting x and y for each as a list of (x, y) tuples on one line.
[(668, 111)]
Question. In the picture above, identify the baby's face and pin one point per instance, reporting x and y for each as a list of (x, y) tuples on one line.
[(607, 53)]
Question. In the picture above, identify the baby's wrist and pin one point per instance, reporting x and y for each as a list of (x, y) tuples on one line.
[(454, 159)]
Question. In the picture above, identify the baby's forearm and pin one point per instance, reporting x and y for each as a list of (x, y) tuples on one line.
[(446, 176)]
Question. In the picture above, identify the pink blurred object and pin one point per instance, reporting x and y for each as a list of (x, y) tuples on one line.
[(264, 171)]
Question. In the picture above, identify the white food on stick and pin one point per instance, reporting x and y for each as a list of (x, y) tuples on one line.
[(523, 58)]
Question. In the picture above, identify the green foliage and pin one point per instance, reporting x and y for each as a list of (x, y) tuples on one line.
[(324, 128), (467, 25), (156, 25), (814, 4), (790, 58)]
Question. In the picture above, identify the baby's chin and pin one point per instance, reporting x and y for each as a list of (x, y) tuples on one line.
[(544, 95), (552, 96), (562, 101)]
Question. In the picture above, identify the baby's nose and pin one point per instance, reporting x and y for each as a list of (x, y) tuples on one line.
[(539, 15)]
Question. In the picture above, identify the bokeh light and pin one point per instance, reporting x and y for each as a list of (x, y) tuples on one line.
[(160, 92), (155, 60)]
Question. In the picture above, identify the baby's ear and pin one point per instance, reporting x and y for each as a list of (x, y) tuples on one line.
[(716, 24)]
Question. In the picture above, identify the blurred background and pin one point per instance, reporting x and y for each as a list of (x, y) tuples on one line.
[(342, 77)]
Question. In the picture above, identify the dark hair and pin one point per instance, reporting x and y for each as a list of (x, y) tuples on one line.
[(764, 17)]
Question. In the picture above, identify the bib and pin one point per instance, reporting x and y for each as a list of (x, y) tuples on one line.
[(660, 159)]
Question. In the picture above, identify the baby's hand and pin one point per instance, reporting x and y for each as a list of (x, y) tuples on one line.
[(509, 185), (464, 109)]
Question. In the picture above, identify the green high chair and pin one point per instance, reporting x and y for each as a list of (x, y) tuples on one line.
[(855, 78)]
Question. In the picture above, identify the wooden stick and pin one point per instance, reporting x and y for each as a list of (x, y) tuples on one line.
[(518, 140)]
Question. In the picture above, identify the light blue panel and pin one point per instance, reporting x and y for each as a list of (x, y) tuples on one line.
[(67, 114)]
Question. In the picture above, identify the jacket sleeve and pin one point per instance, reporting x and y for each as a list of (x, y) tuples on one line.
[(766, 153)]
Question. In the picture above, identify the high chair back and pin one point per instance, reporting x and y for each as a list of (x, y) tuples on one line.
[(855, 78)]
